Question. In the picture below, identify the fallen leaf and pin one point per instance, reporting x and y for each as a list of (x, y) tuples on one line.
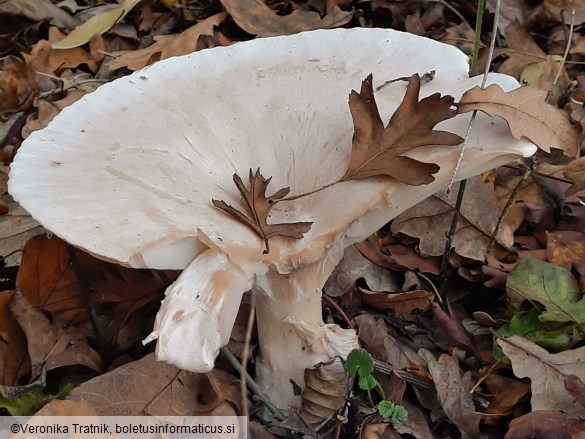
[(379, 431), (401, 303), (378, 151), (67, 408), (38, 10), (431, 219), (567, 249), (354, 266), (17, 85), (50, 345), (49, 282), (507, 393), (452, 325), (575, 172), (326, 388), (576, 388), (540, 424), (561, 10), (96, 25), (16, 228), (166, 46), (151, 387), (258, 208), (527, 114), (552, 286), (547, 373), (256, 18), (453, 392), (14, 361)]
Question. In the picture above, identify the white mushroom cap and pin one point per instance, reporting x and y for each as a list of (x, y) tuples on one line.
[(129, 171)]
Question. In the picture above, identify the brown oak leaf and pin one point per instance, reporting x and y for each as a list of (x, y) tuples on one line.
[(258, 207), (378, 151), (527, 114)]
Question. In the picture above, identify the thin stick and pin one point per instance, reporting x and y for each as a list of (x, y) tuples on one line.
[(483, 81), (249, 327), (457, 210), (567, 48), (278, 415)]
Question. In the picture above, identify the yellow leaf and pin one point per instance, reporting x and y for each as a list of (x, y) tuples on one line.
[(96, 25)]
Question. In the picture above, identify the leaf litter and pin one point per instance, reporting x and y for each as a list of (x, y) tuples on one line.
[(442, 354)]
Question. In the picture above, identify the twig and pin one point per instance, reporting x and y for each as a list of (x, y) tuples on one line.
[(278, 415), (457, 210), (249, 327), (567, 48), (337, 308), (483, 81)]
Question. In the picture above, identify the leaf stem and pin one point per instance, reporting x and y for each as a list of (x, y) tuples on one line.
[(306, 194)]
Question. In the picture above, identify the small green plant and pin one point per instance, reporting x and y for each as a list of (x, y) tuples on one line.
[(359, 362)]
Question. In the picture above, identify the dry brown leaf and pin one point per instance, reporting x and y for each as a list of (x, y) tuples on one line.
[(50, 344), (431, 219), (401, 303), (561, 10), (49, 282), (378, 151), (354, 266), (507, 394), (460, 36), (567, 249), (67, 408), (38, 10), (576, 388), (453, 393), (14, 361), (17, 85), (151, 387), (575, 172), (379, 431), (166, 46), (258, 207), (547, 373), (325, 390), (256, 18), (452, 325), (527, 114), (544, 424)]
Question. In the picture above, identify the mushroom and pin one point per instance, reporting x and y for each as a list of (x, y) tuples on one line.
[(128, 174)]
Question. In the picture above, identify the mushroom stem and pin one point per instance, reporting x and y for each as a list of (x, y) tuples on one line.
[(291, 332)]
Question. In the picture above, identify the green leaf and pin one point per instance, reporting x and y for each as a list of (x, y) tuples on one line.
[(359, 361), (553, 336), (554, 287), (367, 382), (392, 412)]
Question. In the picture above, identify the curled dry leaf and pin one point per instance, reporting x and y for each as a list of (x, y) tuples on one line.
[(256, 18), (325, 390), (378, 151), (527, 114), (547, 373), (14, 361), (258, 208)]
